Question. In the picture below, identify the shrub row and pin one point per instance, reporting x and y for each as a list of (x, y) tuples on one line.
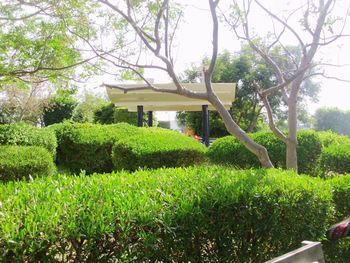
[(228, 150), (335, 158), (339, 251), (85, 146), (89, 147), (17, 162), (156, 147), (27, 135), (207, 214)]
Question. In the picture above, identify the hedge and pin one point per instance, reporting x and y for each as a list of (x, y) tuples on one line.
[(27, 135), (17, 162), (83, 146), (331, 138), (155, 148), (228, 150), (335, 158), (203, 214), (339, 251)]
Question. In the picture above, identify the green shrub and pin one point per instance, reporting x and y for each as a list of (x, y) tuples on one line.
[(228, 150), (206, 214), (156, 147), (123, 115), (27, 135), (17, 162), (329, 138), (85, 146), (339, 251), (335, 158)]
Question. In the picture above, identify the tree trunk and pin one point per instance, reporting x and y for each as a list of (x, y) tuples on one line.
[(291, 153), (258, 150)]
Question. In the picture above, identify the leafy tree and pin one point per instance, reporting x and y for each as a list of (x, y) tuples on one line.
[(84, 111), (104, 114), (313, 26), (333, 119), (248, 70), (60, 107), (23, 105)]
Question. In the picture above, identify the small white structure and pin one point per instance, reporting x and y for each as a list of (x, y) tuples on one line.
[(162, 101)]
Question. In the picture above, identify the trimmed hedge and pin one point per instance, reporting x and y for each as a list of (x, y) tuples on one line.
[(339, 251), (331, 138), (17, 162), (27, 135), (155, 148), (85, 146), (335, 158), (206, 214), (228, 150)]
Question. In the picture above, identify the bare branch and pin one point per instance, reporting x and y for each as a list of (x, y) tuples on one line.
[(272, 125)]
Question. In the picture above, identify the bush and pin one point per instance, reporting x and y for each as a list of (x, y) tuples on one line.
[(329, 138), (206, 214), (17, 162), (335, 158), (228, 150), (156, 147), (27, 135), (88, 146), (339, 251)]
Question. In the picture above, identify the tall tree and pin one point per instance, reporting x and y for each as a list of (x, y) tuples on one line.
[(250, 71), (153, 24), (313, 26)]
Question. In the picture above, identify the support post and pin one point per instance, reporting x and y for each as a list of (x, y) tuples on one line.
[(139, 115), (205, 117), (150, 118)]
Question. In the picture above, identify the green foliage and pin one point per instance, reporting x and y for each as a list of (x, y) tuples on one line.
[(156, 147), (17, 162), (203, 214), (123, 115), (104, 114), (331, 138), (248, 70), (27, 135), (333, 119), (339, 251), (335, 158), (88, 146), (228, 150), (84, 111), (60, 107)]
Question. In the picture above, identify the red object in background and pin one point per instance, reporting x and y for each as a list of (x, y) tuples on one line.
[(198, 138)]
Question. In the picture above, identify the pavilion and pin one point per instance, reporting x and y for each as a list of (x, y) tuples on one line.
[(140, 100)]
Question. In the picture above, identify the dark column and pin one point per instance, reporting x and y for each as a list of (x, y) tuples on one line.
[(139, 115), (205, 116), (150, 118)]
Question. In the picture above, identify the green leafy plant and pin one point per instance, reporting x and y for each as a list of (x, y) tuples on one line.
[(27, 135), (198, 214), (336, 158), (18, 162), (228, 150), (156, 147), (85, 146)]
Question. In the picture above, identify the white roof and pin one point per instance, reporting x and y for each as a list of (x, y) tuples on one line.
[(161, 101)]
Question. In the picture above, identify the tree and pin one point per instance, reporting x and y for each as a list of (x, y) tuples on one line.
[(247, 69), (333, 119), (23, 105), (60, 107), (153, 24), (314, 27), (85, 110)]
